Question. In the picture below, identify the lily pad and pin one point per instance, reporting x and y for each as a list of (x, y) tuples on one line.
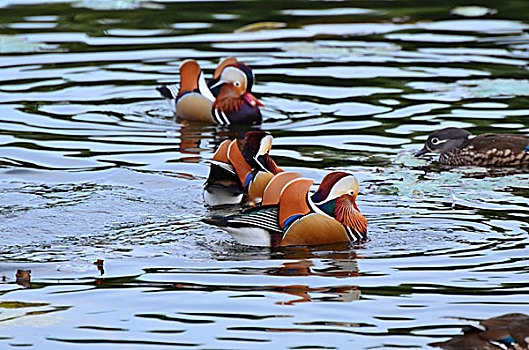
[(255, 27), (330, 12), (408, 159), (117, 4), (472, 11), (481, 190), (464, 89), (17, 44), (326, 50)]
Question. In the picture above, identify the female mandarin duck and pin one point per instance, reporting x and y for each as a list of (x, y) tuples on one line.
[(226, 99), (289, 216), (510, 331), (459, 147), (239, 168)]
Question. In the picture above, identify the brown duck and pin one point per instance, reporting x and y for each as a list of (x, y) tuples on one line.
[(459, 147), (509, 331)]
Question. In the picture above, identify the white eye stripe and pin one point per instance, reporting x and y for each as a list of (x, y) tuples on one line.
[(234, 75), (435, 141)]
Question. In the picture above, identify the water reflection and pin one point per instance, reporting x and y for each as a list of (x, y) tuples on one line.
[(23, 278), (334, 265), (305, 293)]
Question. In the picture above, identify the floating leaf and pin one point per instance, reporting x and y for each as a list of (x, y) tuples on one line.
[(255, 27), (408, 159), (16, 44), (320, 49), (330, 12), (473, 186), (463, 89), (117, 4), (472, 11), (313, 48)]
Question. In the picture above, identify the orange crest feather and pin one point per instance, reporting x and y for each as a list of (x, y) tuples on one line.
[(229, 61)]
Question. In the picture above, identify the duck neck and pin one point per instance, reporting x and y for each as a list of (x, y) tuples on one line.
[(450, 157), (328, 207)]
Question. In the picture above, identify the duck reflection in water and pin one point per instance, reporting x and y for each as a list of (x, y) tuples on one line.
[(23, 278), (299, 262), (191, 136), (336, 267)]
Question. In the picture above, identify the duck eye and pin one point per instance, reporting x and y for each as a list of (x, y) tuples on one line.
[(435, 141), (237, 84)]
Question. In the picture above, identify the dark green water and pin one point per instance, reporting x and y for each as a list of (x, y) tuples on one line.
[(93, 166)]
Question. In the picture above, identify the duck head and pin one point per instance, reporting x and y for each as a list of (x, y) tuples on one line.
[(256, 150), (240, 76), (334, 185), (444, 140), (336, 197), (236, 68), (250, 157)]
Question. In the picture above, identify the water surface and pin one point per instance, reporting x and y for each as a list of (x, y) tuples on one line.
[(94, 166)]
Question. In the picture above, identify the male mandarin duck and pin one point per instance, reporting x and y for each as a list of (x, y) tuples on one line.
[(239, 168), (509, 331), (225, 100), (459, 147), (290, 216)]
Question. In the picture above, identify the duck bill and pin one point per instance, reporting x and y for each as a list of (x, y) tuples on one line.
[(422, 152), (248, 97)]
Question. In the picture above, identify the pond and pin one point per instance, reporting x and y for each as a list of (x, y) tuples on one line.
[(94, 166)]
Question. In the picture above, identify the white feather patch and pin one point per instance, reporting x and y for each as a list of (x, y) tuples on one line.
[(253, 236), (203, 88)]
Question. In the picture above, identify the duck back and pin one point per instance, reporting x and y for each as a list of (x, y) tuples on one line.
[(490, 150)]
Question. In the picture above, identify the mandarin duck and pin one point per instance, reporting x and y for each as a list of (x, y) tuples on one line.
[(240, 168), (225, 100), (458, 147), (509, 331), (290, 216)]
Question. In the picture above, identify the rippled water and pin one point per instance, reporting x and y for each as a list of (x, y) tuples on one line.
[(93, 166)]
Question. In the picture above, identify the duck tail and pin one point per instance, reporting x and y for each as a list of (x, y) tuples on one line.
[(218, 221), (169, 91)]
